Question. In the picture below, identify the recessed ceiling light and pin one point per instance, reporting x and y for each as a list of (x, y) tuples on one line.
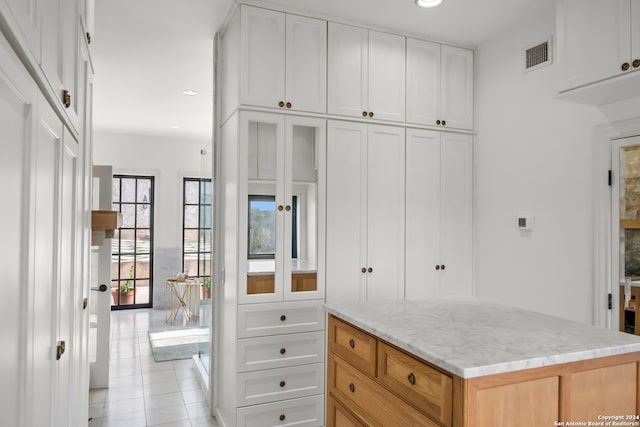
[(189, 92), (174, 127), (428, 3)]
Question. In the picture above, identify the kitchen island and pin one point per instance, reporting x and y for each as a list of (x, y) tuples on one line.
[(462, 362)]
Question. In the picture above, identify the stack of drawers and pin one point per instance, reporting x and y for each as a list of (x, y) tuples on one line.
[(280, 379), (371, 383)]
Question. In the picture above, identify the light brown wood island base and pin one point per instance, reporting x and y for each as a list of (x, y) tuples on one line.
[(373, 382)]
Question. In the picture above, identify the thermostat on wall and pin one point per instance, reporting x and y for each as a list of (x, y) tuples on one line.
[(525, 222)]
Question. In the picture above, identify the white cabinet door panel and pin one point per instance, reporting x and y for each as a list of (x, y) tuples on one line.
[(423, 82), (348, 59), (28, 17), (306, 63), (635, 31), (279, 351), (456, 214), (263, 57), (346, 208), (422, 214), (272, 385), (304, 412), (387, 76), (385, 212), (279, 318), (457, 87)]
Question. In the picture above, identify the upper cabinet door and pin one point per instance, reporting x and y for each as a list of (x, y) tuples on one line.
[(386, 76), (348, 70), (27, 15), (635, 35), (593, 40), (423, 82), (457, 87), (306, 64), (263, 57)]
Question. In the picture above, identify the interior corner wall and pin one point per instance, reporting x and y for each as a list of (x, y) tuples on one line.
[(534, 154), (169, 160)]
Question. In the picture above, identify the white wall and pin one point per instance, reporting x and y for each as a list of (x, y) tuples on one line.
[(169, 160), (534, 154)]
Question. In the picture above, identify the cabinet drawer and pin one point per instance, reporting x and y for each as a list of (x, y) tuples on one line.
[(279, 351), (427, 389), (305, 412), (279, 384), (354, 345), (368, 400), (338, 416), (279, 318)]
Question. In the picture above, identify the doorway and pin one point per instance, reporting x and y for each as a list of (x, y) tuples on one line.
[(132, 243)]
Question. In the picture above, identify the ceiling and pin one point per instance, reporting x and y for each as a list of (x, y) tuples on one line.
[(146, 52)]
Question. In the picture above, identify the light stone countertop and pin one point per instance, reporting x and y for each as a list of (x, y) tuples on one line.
[(471, 338), (268, 266)]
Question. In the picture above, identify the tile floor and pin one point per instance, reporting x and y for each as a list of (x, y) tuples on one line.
[(143, 392)]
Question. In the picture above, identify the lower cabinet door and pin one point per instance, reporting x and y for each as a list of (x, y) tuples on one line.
[(305, 412), (272, 385), (279, 351), (338, 416)]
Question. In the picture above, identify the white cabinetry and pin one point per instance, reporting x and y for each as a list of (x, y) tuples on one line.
[(366, 73), (365, 211), (26, 20), (438, 214), (598, 42), (439, 85), (283, 60)]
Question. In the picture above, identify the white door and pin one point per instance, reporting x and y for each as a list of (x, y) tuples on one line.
[(306, 59), (346, 210), (385, 212), (593, 40), (423, 82), (422, 280), (456, 159), (347, 76), (386, 76), (28, 15), (457, 87), (262, 57), (18, 107)]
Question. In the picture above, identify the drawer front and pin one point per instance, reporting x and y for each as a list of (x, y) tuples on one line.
[(369, 401), (280, 384), (305, 412), (338, 416), (427, 389), (256, 320), (280, 351), (354, 345)]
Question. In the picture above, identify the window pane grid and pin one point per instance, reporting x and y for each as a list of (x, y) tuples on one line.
[(196, 218)]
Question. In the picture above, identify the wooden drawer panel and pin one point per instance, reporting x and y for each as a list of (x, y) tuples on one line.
[(305, 412), (354, 345), (368, 400), (272, 385), (425, 388), (338, 416), (255, 320), (279, 351)]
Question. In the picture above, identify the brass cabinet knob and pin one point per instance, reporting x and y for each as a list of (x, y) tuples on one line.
[(288, 105), (438, 121), (283, 350), (352, 343), (411, 378), (636, 63), (287, 208), (442, 267), (281, 104), (282, 383), (370, 113), (85, 303), (437, 267), (364, 270), (283, 318), (280, 208), (364, 114), (282, 417), (370, 270), (66, 98), (444, 122), (352, 388), (625, 66), (88, 38), (60, 348)]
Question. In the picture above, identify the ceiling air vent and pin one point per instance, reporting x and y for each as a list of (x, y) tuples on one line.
[(538, 55)]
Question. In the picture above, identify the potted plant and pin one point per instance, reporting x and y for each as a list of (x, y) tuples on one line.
[(205, 288), (126, 289)]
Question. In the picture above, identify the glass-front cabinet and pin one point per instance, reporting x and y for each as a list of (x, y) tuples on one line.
[(282, 159)]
